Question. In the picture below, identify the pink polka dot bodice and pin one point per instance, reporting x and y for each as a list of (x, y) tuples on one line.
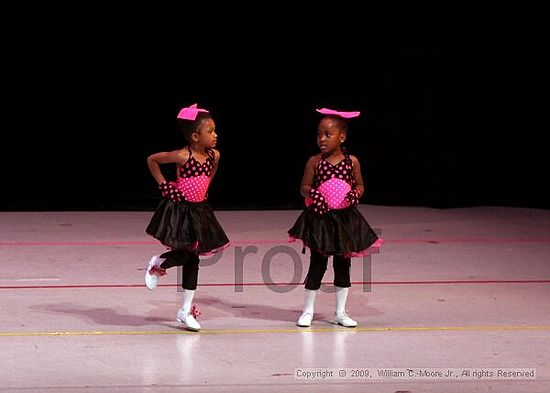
[(334, 182), (194, 178), (335, 191)]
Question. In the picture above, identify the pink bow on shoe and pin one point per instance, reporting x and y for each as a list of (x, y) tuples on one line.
[(195, 311), (155, 269)]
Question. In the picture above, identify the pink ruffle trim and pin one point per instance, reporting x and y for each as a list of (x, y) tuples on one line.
[(212, 252), (373, 249)]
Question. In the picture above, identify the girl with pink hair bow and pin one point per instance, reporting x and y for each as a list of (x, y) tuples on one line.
[(184, 221), (331, 225)]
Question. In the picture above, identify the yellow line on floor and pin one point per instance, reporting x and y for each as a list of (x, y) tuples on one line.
[(296, 330)]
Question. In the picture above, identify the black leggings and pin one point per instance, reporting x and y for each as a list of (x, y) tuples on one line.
[(189, 262), (318, 266)]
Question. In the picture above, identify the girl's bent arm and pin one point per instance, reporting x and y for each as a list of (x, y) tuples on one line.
[(155, 160)]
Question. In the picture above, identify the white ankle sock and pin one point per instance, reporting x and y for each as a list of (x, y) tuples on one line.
[(188, 295), (341, 298), (309, 301)]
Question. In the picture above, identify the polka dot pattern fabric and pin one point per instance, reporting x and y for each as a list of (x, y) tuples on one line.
[(194, 178), (194, 189), (335, 191), (334, 181)]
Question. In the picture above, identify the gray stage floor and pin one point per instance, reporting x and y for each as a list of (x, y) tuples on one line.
[(463, 290)]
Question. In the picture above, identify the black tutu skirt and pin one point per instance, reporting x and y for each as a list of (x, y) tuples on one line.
[(187, 226), (338, 232)]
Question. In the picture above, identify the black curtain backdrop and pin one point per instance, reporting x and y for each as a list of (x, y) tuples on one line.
[(454, 103)]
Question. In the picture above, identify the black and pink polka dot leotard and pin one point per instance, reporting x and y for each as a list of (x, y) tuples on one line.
[(194, 177), (334, 182)]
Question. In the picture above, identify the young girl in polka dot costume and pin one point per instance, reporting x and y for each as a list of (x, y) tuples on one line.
[(183, 221), (331, 225)]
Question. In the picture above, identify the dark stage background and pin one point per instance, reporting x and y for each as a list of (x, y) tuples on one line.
[(454, 103)]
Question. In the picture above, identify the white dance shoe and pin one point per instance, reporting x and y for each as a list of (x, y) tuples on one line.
[(154, 271), (344, 320), (188, 320), (305, 320)]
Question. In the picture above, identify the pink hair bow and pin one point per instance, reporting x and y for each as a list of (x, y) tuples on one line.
[(190, 113), (346, 115)]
